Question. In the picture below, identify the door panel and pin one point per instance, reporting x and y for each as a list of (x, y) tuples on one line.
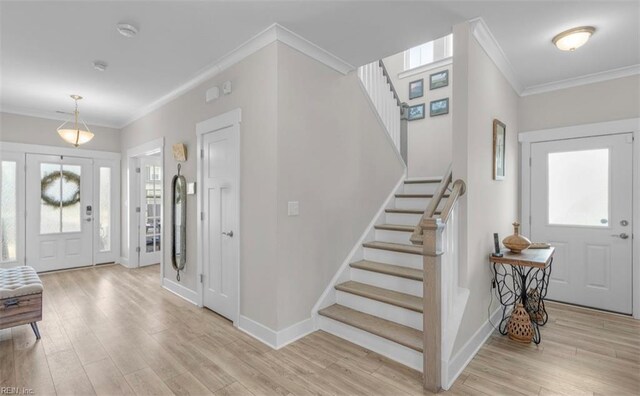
[(150, 210), (581, 202), (220, 236), (59, 212)]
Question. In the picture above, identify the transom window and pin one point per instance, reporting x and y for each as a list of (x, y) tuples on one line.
[(430, 52)]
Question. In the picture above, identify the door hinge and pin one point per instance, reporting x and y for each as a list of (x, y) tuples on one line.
[(201, 153), (137, 209), (530, 161), (201, 216), (138, 170), (201, 278), (138, 249)]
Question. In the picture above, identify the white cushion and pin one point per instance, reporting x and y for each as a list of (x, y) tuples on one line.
[(19, 281)]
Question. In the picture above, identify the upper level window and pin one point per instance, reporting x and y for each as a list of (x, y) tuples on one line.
[(430, 52)]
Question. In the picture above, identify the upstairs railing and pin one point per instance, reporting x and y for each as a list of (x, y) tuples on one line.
[(391, 110), (444, 300)]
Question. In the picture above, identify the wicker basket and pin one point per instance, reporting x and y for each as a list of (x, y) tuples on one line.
[(519, 326)]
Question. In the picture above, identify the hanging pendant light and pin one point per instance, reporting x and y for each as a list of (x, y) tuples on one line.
[(75, 136)]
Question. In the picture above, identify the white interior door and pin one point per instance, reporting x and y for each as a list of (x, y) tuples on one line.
[(59, 210), (581, 203), (220, 165), (150, 229)]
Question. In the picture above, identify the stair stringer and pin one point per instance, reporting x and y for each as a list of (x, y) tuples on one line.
[(328, 296)]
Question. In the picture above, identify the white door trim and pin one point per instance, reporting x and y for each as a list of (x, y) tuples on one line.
[(587, 130), (132, 185), (230, 118)]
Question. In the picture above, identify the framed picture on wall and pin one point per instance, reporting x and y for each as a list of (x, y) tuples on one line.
[(439, 79), (416, 89), (499, 138), (416, 112), (439, 107)]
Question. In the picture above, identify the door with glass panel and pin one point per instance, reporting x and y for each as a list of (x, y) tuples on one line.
[(11, 209), (581, 203), (150, 210), (59, 212)]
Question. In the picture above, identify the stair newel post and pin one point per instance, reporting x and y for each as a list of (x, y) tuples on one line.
[(432, 229), (404, 127)]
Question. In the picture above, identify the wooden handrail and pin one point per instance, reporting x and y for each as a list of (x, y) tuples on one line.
[(416, 237), (393, 89)]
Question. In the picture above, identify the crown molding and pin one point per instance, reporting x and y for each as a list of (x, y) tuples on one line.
[(489, 44), (50, 116), (270, 35), (582, 80)]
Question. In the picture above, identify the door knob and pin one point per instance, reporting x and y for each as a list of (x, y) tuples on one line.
[(87, 219), (623, 235), (229, 234)]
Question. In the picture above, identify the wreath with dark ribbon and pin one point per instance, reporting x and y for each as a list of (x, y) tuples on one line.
[(52, 178)]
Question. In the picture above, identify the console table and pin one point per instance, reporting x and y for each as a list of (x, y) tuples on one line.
[(523, 278)]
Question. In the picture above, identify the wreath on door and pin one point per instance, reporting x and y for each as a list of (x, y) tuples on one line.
[(73, 181)]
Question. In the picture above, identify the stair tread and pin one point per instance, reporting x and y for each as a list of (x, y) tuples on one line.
[(403, 195), (389, 269), (392, 297), (423, 181), (394, 227), (403, 335), (394, 247), (407, 211)]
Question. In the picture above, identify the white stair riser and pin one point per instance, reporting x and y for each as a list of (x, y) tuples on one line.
[(412, 203), (390, 349), (395, 258), (389, 282), (403, 218), (393, 236), (395, 314), (420, 188)]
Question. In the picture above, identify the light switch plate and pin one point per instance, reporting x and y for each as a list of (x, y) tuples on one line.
[(191, 188), (293, 208)]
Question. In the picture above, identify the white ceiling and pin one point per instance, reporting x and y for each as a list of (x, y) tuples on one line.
[(47, 48)]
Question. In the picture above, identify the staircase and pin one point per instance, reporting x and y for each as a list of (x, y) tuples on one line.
[(379, 300)]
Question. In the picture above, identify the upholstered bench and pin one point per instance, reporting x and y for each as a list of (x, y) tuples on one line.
[(20, 298)]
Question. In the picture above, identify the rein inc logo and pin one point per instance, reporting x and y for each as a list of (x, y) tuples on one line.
[(15, 390)]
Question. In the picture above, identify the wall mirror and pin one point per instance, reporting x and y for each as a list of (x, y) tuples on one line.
[(178, 223)]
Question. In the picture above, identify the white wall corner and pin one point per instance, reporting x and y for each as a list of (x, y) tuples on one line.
[(310, 49), (269, 35), (452, 369), (490, 45), (180, 291), (275, 339), (328, 296)]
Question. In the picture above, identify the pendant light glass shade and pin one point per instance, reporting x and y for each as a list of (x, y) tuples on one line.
[(75, 135)]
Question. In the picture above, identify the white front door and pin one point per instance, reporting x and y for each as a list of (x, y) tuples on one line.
[(150, 210), (220, 164), (581, 203), (59, 206)]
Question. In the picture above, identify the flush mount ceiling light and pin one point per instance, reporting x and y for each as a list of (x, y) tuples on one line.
[(572, 39), (75, 136), (127, 30)]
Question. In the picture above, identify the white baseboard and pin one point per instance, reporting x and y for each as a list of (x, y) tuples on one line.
[(272, 338), (124, 261), (180, 291), (469, 350)]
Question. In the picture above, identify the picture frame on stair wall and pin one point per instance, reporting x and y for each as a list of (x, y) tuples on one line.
[(499, 140), (416, 112), (416, 89)]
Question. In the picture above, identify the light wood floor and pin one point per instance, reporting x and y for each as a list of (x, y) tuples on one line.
[(110, 330)]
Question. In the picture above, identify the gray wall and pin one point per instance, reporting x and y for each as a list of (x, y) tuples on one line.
[(429, 139), (33, 130), (308, 135), (254, 90), (598, 102), (481, 93), (334, 158)]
